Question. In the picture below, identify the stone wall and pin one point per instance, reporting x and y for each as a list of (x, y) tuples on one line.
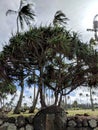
[(82, 123), (26, 123), (18, 123)]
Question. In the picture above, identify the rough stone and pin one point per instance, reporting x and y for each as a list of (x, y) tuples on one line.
[(50, 122), (11, 126), (1, 122), (78, 122), (2, 115), (3, 128), (92, 123), (11, 120), (86, 128), (72, 128), (85, 123), (22, 128), (20, 122), (6, 124), (29, 127), (60, 121), (30, 119), (59, 118), (96, 128), (72, 123)]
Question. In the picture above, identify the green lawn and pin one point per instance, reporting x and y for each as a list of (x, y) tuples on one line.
[(71, 112), (10, 114), (88, 111)]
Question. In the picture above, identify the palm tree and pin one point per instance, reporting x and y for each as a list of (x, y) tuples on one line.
[(69, 101), (75, 104), (87, 99), (91, 99), (80, 94), (24, 14), (59, 18)]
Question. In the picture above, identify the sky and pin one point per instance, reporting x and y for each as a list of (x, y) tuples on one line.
[(79, 12)]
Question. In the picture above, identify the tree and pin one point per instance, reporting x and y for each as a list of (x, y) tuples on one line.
[(87, 99), (25, 14), (15, 68), (91, 99), (33, 81), (75, 104), (80, 94), (92, 80), (53, 56), (6, 84), (59, 18)]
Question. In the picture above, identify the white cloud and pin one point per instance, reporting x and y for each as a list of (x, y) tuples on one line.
[(80, 13)]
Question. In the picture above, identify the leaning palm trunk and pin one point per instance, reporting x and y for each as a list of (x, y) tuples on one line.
[(42, 99), (91, 99), (34, 103), (17, 26), (18, 106)]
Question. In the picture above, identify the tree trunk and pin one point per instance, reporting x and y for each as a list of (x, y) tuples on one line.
[(91, 99), (18, 106), (34, 97), (60, 100), (3, 101), (42, 99), (56, 98), (66, 104), (17, 26), (34, 103)]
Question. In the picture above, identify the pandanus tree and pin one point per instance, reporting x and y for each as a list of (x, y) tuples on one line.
[(15, 62), (45, 50), (25, 14), (6, 84), (93, 75), (62, 72), (90, 58), (41, 47), (56, 56)]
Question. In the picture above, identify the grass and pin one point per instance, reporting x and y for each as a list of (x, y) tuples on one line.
[(21, 114), (82, 111), (71, 112), (26, 114)]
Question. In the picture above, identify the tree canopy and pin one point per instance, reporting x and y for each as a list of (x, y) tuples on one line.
[(61, 61)]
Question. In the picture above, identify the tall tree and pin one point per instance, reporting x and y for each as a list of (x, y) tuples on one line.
[(87, 95), (60, 19), (80, 94), (25, 14), (54, 53), (16, 70)]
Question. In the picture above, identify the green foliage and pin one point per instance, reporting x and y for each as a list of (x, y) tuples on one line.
[(59, 57), (59, 18)]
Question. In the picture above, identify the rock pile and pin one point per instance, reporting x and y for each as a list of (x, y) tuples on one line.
[(49, 120)]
